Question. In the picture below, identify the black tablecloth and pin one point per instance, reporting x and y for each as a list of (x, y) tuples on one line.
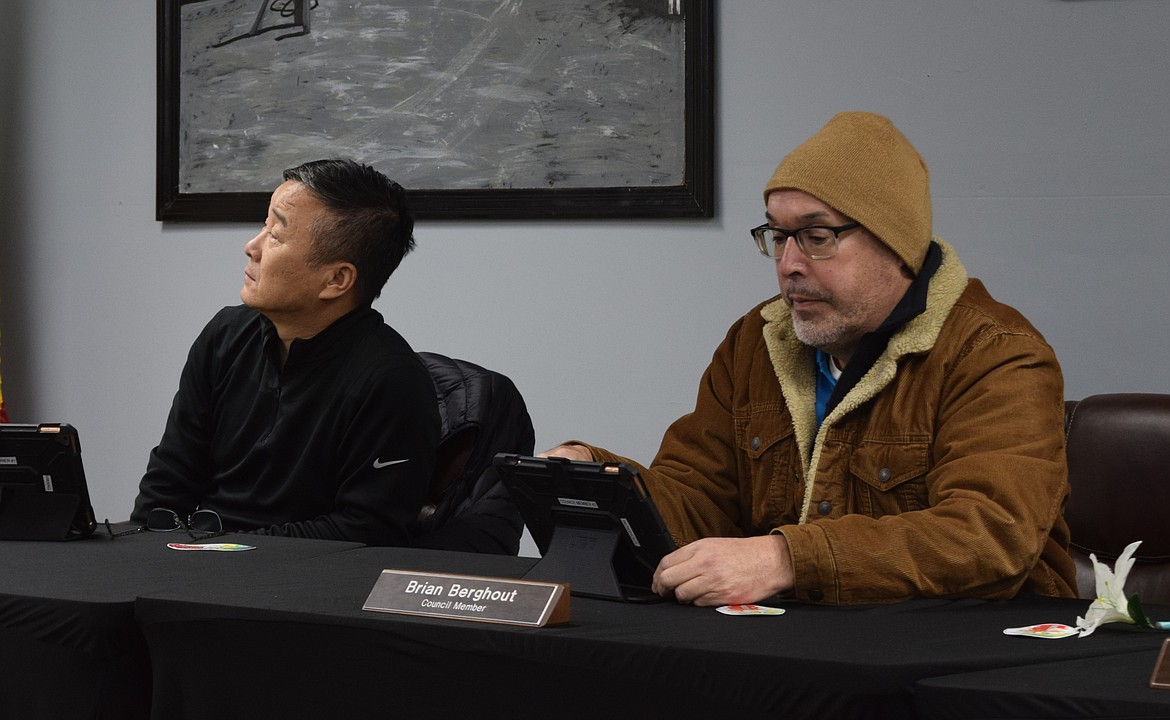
[(1102, 687), (315, 653), (69, 645)]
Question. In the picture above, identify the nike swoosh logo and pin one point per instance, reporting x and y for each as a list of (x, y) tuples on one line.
[(378, 465)]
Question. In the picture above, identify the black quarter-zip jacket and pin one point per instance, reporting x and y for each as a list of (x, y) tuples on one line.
[(339, 443)]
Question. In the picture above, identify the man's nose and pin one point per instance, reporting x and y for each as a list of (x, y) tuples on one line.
[(251, 245), (791, 258)]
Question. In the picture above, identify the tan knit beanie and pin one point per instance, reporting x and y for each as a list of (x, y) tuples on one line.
[(860, 165)]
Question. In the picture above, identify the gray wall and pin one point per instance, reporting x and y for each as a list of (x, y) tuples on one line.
[(1044, 123)]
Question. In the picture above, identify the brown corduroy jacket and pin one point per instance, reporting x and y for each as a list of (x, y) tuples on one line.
[(940, 474)]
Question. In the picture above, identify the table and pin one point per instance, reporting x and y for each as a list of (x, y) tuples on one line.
[(295, 643), (1116, 686), (69, 645)]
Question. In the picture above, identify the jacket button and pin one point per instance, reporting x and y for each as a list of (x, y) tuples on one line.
[(884, 474), (824, 507), (756, 443), (816, 595)]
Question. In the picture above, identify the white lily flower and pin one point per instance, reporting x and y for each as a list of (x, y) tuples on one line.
[(1111, 604)]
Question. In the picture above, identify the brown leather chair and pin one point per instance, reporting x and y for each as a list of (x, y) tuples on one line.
[(1119, 470)]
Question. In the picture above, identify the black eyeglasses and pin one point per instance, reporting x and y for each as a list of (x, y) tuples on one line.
[(818, 242), (200, 525)]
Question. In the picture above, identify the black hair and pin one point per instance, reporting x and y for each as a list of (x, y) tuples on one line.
[(369, 222)]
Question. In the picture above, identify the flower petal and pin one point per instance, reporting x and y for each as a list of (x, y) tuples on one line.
[(1124, 563)]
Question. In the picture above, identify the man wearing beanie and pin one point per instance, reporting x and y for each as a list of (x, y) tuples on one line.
[(881, 430)]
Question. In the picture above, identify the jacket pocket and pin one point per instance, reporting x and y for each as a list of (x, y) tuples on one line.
[(891, 477), (770, 460)]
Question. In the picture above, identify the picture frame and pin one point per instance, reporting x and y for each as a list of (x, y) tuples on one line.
[(524, 113)]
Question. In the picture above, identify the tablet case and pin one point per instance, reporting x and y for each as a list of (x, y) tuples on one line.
[(595, 524), (43, 493)]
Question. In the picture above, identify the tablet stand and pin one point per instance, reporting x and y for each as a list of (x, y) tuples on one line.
[(584, 558), (35, 515)]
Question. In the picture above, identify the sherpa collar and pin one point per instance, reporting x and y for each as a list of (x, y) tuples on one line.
[(794, 361)]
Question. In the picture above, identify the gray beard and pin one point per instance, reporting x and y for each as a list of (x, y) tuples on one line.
[(819, 337)]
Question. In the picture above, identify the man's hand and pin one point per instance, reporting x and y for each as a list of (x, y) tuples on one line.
[(572, 452), (726, 571)]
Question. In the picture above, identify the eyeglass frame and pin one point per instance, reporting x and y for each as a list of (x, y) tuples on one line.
[(763, 241), (180, 524)]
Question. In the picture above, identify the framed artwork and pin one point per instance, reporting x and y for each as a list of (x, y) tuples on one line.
[(482, 109)]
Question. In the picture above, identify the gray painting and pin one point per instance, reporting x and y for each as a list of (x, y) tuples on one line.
[(442, 94)]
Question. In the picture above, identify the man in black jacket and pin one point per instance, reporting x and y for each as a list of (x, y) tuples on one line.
[(301, 412)]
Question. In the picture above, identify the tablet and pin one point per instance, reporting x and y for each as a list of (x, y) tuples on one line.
[(43, 494), (595, 524)]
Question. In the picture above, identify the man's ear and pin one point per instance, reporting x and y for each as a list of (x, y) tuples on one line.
[(340, 279)]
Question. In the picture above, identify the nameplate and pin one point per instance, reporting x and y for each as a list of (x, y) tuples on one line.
[(470, 597), (1160, 678)]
